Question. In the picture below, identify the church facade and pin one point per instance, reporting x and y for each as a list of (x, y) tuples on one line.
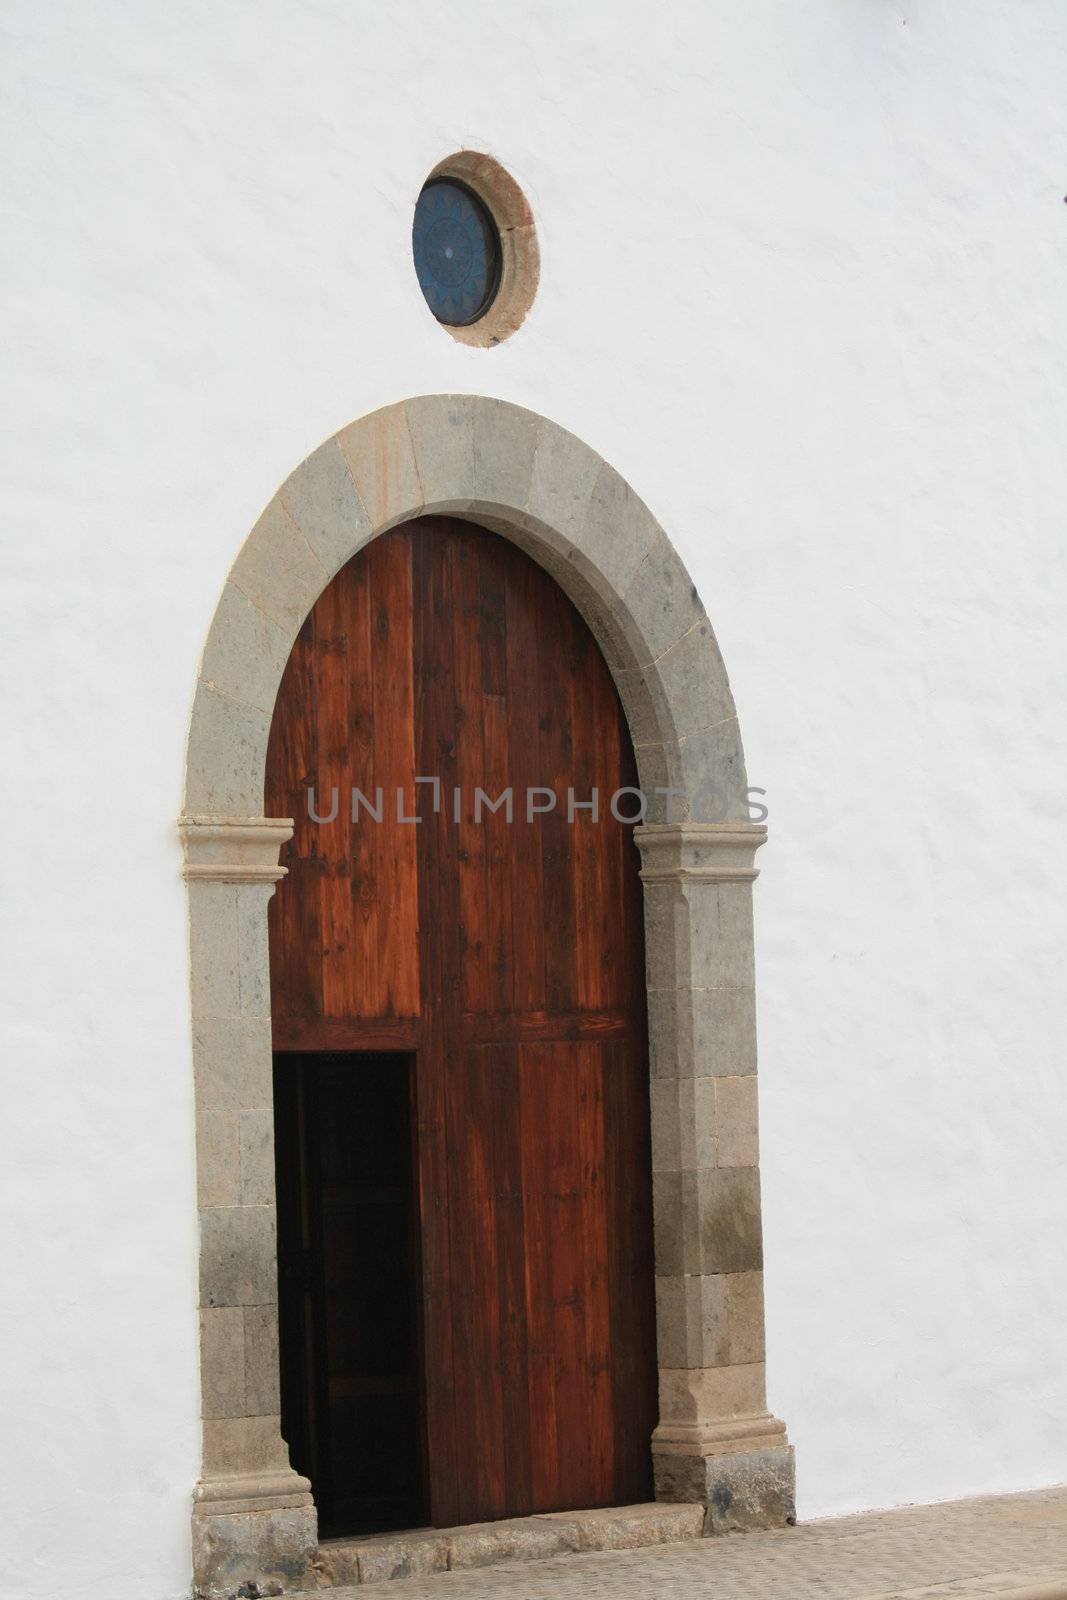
[(533, 650)]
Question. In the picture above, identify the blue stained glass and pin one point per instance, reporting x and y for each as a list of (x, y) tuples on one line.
[(457, 252)]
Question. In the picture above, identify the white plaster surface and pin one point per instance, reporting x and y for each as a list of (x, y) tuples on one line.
[(804, 283)]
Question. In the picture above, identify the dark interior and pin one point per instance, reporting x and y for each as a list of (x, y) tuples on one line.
[(351, 1400)]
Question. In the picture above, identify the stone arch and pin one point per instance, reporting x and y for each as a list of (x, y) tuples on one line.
[(531, 481)]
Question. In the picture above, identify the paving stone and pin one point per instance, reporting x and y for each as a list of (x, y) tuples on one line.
[(1011, 1545)]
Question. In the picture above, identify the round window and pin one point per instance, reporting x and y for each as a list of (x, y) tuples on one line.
[(457, 252)]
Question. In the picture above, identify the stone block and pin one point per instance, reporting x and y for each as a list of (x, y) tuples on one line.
[(698, 934), (337, 1563), (617, 533), (702, 1032), (527, 1539), (213, 964), (669, 1223), (692, 1321), (412, 1555), (662, 602), (322, 500), (744, 1312), (246, 651), (736, 1122), (238, 1256), (752, 1491), (712, 773), (256, 1158), (222, 1361), (441, 428), (273, 1550), (719, 930), (648, 712), (621, 646), (260, 1344), (666, 935), (745, 1491), (666, 1114), (636, 1527), (505, 443), (278, 570), (672, 1320), (218, 1159), (683, 1123), (244, 1445), (729, 1220), (381, 459), (697, 1395), (659, 780), (694, 682), (227, 750), (253, 952), (563, 474), (232, 1062)]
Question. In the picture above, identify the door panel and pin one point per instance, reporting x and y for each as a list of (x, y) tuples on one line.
[(506, 954), (344, 935)]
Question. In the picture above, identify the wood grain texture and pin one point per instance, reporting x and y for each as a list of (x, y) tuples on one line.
[(508, 955)]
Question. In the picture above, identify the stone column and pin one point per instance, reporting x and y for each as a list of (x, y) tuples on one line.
[(716, 1441), (254, 1519)]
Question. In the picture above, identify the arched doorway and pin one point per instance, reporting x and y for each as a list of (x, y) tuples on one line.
[(254, 1518), (461, 1063)]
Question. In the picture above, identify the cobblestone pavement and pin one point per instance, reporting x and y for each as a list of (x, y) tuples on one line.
[(1012, 1544)]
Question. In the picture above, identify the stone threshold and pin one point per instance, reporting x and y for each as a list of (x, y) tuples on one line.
[(422, 1551)]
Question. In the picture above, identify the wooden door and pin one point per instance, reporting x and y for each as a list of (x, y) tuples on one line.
[(504, 955)]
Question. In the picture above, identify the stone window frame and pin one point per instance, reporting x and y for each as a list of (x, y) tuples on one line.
[(520, 255), (528, 479)]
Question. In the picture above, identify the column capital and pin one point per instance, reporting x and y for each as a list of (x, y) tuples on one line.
[(234, 849), (699, 852)]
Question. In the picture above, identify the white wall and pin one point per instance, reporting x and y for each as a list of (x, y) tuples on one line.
[(804, 284)]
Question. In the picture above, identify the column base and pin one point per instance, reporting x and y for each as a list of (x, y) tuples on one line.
[(743, 1471), (253, 1534)]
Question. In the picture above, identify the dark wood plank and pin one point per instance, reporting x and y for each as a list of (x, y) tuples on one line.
[(482, 1489), (499, 828), (557, 714), (466, 733), (512, 1355), (435, 756), (547, 1027), (396, 920), (346, 1033), (528, 924), (292, 771), (344, 731), (535, 1091), (592, 1157)]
